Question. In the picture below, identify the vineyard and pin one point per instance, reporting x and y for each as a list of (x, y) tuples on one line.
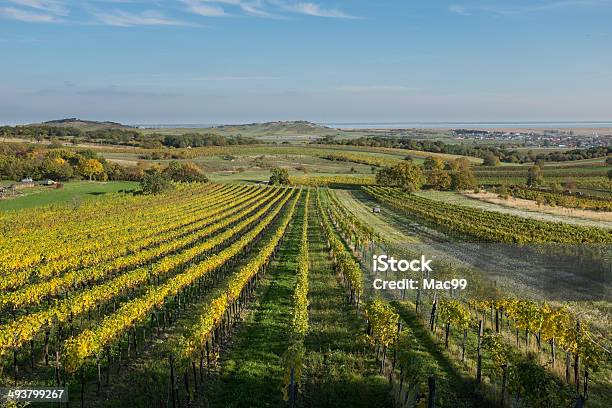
[(488, 225), (562, 200), (186, 298)]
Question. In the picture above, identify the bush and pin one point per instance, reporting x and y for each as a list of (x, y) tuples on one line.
[(187, 172), (490, 160), (279, 176), (439, 179), (155, 182), (405, 175), (463, 179)]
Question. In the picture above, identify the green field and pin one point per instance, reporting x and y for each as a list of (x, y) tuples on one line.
[(72, 191)]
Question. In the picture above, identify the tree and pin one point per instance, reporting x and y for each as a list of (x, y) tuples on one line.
[(490, 160), (461, 163), (279, 176), (187, 172), (535, 176), (90, 168), (439, 179), (56, 169), (433, 163), (406, 175), (155, 182), (463, 179)]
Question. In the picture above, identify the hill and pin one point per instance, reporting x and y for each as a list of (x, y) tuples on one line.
[(282, 128), (86, 124), (266, 130)]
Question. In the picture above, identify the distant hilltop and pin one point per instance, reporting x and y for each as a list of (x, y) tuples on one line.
[(86, 124), (297, 127), (278, 128)]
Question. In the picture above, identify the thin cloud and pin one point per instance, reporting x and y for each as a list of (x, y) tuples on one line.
[(313, 9), (121, 18), (544, 6), (206, 10), (27, 16), (375, 88), (232, 78), (50, 6), (458, 9), (253, 7), (212, 78)]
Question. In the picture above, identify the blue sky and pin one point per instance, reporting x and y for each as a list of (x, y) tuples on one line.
[(222, 61)]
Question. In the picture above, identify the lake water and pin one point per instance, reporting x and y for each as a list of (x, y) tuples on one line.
[(420, 125), (470, 125)]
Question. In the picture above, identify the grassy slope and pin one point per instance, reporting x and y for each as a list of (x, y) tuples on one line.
[(74, 190), (340, 369), (362, 209)]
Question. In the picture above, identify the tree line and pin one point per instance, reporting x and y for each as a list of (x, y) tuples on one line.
[(19, 161), (491, 154), (434, 173), (128, 137)]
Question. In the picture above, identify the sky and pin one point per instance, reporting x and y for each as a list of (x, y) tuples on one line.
[(239, 61)]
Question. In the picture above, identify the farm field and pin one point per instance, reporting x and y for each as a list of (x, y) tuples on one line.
[(209, 283), (192, 298), (71, 192), (560, 214)]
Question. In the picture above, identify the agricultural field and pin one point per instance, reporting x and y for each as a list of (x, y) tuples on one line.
[(217, 294), (229, 288), (73, 192)]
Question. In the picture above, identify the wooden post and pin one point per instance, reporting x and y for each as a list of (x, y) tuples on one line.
[(47, 333), (195, 377), (479, 350), (15, 368), (465, 333), (567, 367), (496, 320), (207, 357), (292, 389), (99, 374), (57, 370), (504, 368), (432, 317), (431, 382), (32, 354), (201, 366), (171, 360), (82, 375), (577, 362), (108, 365), (446, 336), (186, 382), (586, 383)]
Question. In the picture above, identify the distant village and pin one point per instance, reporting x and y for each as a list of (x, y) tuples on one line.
[(546, 138)]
